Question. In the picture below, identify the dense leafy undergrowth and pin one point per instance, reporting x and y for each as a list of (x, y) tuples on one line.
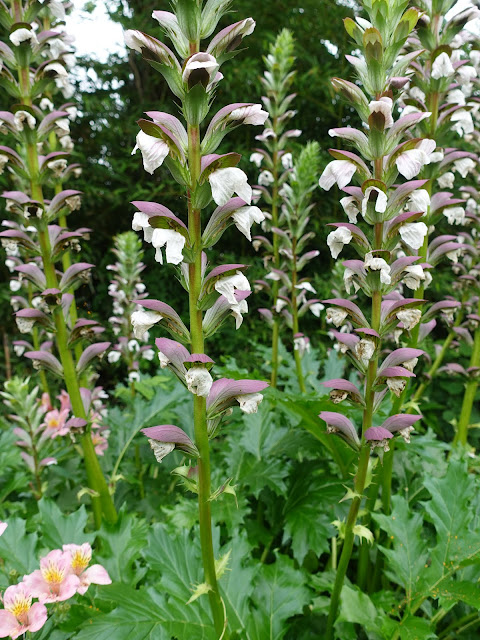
[(275, 539)]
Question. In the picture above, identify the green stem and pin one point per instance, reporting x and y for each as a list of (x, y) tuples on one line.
[(199, 403), (470, 392), (361, 475), (276, 258), (101, 500), (295, 325)]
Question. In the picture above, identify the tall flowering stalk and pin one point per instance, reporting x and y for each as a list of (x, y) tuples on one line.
[(213, 294), (275, 159), (443, 84), (26, 76), (125, 286), (380, 204), (292, 238)]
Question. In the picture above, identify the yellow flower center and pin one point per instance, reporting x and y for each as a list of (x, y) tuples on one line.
[(80, 561), (20, 607), (53, 574), (53, 423)]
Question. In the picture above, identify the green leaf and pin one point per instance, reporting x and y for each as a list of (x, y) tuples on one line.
[(280, 594), (309, 511), (59, 529), (17, 549), (407, 559), (143, 615), (411, 628), (121, 546), (357, 607), (451, 591)]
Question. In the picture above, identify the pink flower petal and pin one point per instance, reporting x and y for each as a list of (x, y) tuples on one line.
[(8, 623), (96, 574), (37, 616)]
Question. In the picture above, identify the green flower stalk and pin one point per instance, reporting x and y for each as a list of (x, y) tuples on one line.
[(292, 236), (30, 127), (382, 154), (275, 160), (213, 294)]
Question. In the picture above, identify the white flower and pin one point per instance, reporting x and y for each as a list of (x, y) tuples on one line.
[(446, 181), (114, 356), (396, 385), (409, 317), (174, 242), (337, 239), (22, 35), (464, 166), (19, 349), (410, 163), (226, 182), (238, 309), (316, 308), (265, 179), (203, 63), (417, 94), (465, 74), (245, 217), (25, 325), (364, 350), (437, 156), (199, 381), (380, 202), (419, 200), (15, 285), (133, 376), (287, 162), (413, 234), (337, 171), (383, 106), (249, 402), (153, 150), (454, 254), (305, 286), (21, 117), (66, 143), (378, 264), (456, 97), (349, 280), (46, 104), (227, 286), (454, 215), (256, 158), (133, 346), (336, 316), (414, 276), (164, 361), (161, 449), (139, 222), (442, 67), (142, 320), (57, 167), (350, 207), (252, 114), (148, 354), (463, 122), (301, 344), (273, 276)]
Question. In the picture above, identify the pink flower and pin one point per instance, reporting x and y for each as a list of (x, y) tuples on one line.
[(3, 526), (99, 442), (54, 582), (64, 400), (80, 559), (55, 423), (45, 402), (19, 614)]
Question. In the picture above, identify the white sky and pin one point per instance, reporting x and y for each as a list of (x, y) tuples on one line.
[(95, 34)]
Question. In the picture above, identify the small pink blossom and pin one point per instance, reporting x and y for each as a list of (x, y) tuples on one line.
[(64, 400), (81, 556), (19, 614), (45, 402), (55, 423), (54, 582), (3, 526), (99, 442)]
